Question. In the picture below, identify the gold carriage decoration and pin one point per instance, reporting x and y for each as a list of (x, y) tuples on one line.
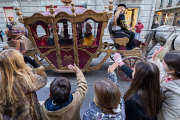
[(58, 56)]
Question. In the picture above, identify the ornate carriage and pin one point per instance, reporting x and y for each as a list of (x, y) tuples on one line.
[(69, 48)]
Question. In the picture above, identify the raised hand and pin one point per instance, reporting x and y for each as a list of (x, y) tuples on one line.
[(112, 67), (156, 53), (74, 68)]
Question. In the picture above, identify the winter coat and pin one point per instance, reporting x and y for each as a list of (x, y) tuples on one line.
[(135, 109), (71, 111), (96, 113), (27, 107), (138, 27), (121, 22), (170, 109), (170, 93)]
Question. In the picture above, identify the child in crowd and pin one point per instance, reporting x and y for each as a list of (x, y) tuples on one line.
[(18, 86), (108, 103), (62, 104), (142, 100), (170, 89)]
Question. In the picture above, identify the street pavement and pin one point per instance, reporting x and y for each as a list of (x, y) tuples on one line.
[(90, 76)]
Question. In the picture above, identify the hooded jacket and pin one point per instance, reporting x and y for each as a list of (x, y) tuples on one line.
[(170, 109), (71, 111)]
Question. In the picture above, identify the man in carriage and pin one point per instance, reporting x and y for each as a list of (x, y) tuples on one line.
[(119, 25)]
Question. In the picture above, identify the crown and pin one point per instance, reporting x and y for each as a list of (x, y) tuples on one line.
[(11, 18)]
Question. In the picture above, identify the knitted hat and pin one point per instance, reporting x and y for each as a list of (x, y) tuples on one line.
[(123, 5)]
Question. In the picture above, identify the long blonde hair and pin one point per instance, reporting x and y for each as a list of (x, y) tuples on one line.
[(12, 65), (119, 10)]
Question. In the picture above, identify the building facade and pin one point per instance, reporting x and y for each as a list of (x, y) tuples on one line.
[(136, 9), (167, 12)]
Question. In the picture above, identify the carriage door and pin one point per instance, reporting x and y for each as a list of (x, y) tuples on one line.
[(64, 30)]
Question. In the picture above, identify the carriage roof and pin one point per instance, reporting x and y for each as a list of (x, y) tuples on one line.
[(67, 9)]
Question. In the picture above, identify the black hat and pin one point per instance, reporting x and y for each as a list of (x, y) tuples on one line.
[(122, 5)]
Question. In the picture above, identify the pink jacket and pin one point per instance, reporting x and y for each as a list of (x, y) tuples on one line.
[(138, 27)]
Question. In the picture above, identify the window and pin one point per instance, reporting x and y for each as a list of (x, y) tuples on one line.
[(179, 1), (47, 8), (162, 1), (9, 12), (40, 31), (65, 33), (170, 2), (88, 32)]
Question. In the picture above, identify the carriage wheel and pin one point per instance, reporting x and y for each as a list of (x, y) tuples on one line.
[(130, 62)]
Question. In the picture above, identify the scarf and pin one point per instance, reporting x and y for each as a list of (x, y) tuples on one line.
[(50, 106)]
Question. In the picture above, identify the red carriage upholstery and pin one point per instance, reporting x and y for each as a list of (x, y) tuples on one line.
[(94, 43), (44, 41), (33, 28)]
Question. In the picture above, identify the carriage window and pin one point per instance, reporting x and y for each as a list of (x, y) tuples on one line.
[(88, 32), (40, 31), (64, 30)]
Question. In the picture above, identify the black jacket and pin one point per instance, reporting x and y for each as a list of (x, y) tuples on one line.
[(154, 25), (134, 107), (121, 22), (128, 71), (135, 110)]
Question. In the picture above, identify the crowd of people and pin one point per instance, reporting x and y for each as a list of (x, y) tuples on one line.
[(153, 94)]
